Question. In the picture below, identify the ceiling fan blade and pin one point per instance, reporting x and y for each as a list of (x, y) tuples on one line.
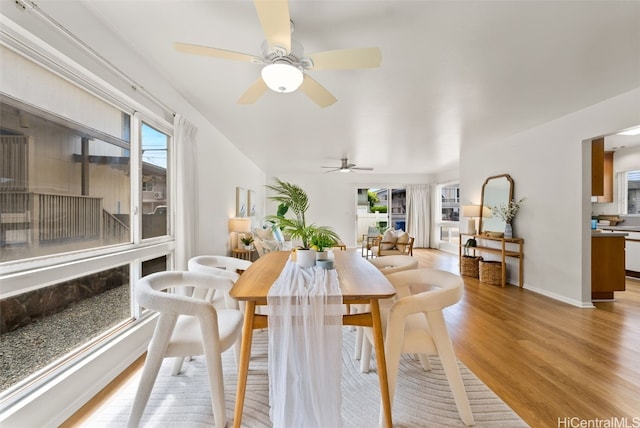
[(215, 52), (276, 22), (318, 93), (255, 91), (331, 170), (362, 169), (344, 59)]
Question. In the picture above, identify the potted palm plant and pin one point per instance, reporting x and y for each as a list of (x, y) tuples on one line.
[(297, 201)]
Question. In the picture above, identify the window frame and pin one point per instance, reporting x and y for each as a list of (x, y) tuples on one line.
[(71, 379)]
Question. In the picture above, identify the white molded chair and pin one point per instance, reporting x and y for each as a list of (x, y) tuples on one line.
[(387, 265), (415, 324), (223, 266), (187, 325), (397, 263), (221, 263)]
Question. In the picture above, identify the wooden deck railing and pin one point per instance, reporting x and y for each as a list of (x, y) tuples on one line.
[(37, 218)]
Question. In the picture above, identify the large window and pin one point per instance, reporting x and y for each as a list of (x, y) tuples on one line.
[(83, 182), (632, 193), (448, 214), (63, 186)]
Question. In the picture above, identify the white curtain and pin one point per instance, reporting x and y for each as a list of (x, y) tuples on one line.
[(419, 214), (186, 190), (305, 348)]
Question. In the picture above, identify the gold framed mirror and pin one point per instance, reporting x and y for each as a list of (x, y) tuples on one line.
[(496, 190)]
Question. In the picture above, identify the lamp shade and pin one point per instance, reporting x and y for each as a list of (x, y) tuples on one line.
[(471, 211), (282, 77), (240, 224)]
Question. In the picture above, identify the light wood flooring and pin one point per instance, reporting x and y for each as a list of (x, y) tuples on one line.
[(547, 360)]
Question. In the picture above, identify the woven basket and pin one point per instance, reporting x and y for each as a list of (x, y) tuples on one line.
[(491, 272), (469, 266)]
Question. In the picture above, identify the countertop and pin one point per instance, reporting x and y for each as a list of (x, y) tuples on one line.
[(598, 233), (620, 228)]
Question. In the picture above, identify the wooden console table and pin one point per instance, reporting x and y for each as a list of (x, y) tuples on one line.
[(505, 249)]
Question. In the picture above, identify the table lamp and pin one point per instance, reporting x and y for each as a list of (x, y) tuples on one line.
[(471, 212), (239, 226)]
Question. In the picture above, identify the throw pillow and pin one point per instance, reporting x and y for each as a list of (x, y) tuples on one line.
[(403, 240), (389, 240), (265, 234)]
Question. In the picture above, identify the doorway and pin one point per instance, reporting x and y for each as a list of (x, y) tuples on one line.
[(380, 207)]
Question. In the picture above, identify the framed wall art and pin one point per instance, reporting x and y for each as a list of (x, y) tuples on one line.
[(241, 202), (251, 203)]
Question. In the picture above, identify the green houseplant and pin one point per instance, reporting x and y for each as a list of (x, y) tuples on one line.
[(297, 201), (247, 241), (320, 241)]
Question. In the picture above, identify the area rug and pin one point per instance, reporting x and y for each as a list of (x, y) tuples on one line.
[(423, 399)]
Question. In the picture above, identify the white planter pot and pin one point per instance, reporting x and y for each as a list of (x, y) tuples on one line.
[(322, 255), (306, 258)]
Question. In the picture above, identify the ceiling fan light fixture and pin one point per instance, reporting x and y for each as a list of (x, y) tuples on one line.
[(345, 170), (281, 77)]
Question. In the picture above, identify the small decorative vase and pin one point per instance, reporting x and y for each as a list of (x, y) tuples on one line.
[(508, 231), (306, 258), (248, 247)]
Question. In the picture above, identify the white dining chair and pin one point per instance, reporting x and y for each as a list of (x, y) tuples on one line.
[(229, 267), (226, 266), (387, 265), (188, 325), (415, 324)]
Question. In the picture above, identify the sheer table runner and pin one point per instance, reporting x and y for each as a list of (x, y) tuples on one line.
[(305, 348)]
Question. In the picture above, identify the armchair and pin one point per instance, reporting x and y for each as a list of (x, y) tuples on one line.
[(394, 243), (369, 241)]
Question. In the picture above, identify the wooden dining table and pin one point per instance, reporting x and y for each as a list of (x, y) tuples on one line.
[(360, 282)]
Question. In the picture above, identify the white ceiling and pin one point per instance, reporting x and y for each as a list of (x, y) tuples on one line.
[(453, 73)]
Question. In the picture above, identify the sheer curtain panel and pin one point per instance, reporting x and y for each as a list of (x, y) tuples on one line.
[(418, 214), (187, 190)]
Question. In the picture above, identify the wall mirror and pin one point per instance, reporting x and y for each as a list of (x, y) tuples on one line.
[(496, 190)]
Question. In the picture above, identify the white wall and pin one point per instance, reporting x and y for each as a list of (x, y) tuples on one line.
[(333, 197), (550, 165)]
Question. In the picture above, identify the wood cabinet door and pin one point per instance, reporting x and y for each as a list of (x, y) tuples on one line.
[(597, 167), (607, 264)]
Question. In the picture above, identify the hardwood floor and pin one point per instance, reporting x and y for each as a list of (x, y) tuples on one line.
[(546, 359)]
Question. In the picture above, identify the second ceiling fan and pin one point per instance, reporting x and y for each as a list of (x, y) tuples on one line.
[(284, 60), (345, 166)]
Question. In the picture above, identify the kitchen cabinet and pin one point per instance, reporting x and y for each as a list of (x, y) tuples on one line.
[(632, 254), (607, 265), (597, 167), (607, 178)]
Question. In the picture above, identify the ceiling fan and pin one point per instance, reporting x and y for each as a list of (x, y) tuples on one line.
[(347, 167), (283, 58)]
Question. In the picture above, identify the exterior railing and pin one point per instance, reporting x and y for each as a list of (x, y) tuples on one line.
[(37, 218)]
